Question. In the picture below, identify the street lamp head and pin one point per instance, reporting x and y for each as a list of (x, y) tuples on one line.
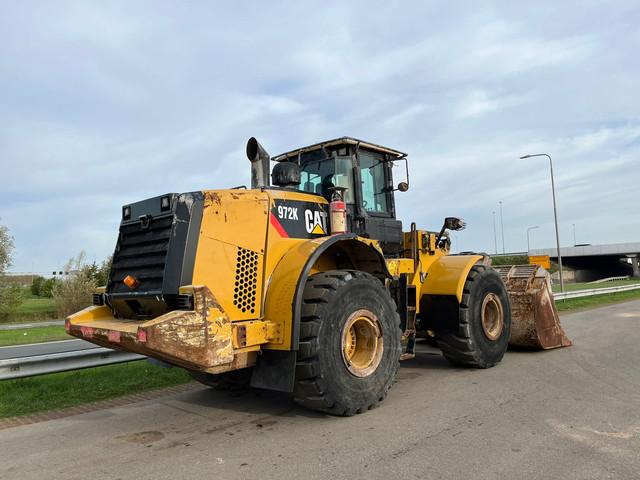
[(524, 156)]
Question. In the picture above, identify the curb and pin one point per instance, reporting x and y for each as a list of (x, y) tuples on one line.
[(29, 419)]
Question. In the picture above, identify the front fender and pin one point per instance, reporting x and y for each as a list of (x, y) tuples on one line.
[(447, 275)]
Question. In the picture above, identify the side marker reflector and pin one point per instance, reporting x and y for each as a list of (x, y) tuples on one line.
[(86, 332), (142, 336), (131, 282)]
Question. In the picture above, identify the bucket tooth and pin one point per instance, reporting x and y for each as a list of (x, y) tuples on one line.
[(534, 318)]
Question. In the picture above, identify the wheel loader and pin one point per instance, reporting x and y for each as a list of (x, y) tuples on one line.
[(307, 283)]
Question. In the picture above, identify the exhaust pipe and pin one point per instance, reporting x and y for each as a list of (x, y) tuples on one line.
[(259, 159)]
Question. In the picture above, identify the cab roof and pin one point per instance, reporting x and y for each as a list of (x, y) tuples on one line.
[(338, 142)]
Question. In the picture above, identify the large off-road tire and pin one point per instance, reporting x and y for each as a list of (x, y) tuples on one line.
[(480, 335), (235, 380), (349, 347)]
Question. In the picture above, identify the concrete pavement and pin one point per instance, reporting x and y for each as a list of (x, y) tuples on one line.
[(569, 413)]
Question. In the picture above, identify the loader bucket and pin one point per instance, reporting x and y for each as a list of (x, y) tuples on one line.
[(534, 318)]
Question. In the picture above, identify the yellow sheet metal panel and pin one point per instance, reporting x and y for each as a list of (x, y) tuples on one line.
[(282, 285), (101, 316), (542, 260), (252, 333), (399, 266), (447, 275), (230, 253)]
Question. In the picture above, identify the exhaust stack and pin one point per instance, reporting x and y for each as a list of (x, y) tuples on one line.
[(259, 159)]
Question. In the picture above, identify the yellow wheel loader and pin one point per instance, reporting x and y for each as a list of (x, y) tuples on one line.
[(306, 283)]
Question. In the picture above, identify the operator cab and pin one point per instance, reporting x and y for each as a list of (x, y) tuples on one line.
[(364, 171)]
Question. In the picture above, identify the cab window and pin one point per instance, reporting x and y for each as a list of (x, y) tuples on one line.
[(320, 176), (374, 191)]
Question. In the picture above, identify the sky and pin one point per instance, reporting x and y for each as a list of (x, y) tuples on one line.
[(106, 103)]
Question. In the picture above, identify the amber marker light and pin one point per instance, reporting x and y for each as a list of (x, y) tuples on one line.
[(131, 282)]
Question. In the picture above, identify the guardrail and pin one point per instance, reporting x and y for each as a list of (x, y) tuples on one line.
[(611, 279), (11, 368), (594, 291)]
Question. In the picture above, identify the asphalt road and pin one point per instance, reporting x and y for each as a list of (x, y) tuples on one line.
[(22, 326), (32, 349), (569, 413)]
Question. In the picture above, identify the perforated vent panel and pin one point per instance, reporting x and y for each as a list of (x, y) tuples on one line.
[(244, 293)]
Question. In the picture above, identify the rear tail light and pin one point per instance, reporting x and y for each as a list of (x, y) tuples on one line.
[(165, 203)]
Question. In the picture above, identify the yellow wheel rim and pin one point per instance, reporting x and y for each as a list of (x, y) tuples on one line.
[(492, 317), (362, 344)]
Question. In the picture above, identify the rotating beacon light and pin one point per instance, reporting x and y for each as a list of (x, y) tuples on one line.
[(338, 211)]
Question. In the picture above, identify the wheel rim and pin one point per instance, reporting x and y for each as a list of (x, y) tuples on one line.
[(492, 316), (362, 344)]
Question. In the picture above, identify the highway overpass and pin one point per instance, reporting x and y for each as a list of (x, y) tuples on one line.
[(592, 262)]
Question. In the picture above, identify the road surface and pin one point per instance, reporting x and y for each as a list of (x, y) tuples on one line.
[(32, 349), (22, 326), (569, 413)]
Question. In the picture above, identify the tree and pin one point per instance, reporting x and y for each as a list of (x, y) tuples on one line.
[(76, 291), (98, 273), (10, 295), (6, 248)]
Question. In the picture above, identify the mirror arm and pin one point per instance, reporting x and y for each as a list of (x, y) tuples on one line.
[(440, 235), (406, 169)]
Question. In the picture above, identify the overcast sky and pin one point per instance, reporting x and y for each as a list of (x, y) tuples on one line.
[(106, 103)]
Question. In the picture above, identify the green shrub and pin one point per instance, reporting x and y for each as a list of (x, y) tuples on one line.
[(11, 297), (36, 285), (46, 290), (74, 292), (510, 260)]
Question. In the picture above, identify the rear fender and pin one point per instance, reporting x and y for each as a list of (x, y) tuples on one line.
[(286, 284), (275, 368)]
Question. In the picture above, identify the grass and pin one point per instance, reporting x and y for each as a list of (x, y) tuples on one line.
[(33, 335), (37, 305), (596, 300), (586, 286), (32, 309), (59, 390)]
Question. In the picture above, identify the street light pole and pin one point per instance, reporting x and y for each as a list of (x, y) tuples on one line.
[(574, 234), (528, 230), (555, 212), (495, 235), (501, 226)]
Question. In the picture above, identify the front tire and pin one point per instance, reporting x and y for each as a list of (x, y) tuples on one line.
[(349, 347), (481, 336)]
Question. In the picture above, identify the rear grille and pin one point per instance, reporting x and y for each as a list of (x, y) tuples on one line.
[(141, 253), (244, 293)]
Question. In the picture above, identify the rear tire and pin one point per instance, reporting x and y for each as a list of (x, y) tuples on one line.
[(349, 347), (484, 322), (228, 381)]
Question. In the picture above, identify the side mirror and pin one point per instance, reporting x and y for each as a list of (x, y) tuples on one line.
[(454, 224), (402, 186)]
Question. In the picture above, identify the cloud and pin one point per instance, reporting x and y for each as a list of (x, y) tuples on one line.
[(106, 104)]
